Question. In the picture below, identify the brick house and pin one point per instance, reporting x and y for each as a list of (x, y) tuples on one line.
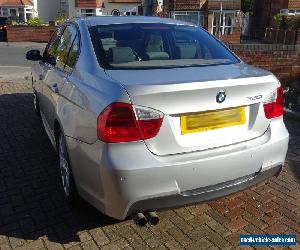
[(23, 10), (100, 7), (18, 9), (265, 10), (220, 17)]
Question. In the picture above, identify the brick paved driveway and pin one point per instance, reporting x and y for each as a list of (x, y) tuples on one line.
[(34, 215)]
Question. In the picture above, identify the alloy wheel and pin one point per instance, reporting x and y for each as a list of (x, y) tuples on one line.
[(64, 165)]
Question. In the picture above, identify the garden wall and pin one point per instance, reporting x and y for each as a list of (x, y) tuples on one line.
[(29, 33), (282, 60)]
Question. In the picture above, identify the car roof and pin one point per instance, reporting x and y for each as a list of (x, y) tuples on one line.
[(105, 20)]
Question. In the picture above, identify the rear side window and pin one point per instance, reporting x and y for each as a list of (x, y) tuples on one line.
[(63, 48), (144, 45)]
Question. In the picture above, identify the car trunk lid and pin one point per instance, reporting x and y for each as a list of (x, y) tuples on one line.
[(193, 92)]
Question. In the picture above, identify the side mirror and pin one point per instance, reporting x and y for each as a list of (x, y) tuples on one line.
[(34, 55), (51, 60)]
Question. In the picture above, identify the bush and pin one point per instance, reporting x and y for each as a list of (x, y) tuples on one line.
[(61, 19), (37, 21), (284, 22), (292, 97)]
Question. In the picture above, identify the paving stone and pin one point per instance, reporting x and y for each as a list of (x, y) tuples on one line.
[(198, 209), (217, 227), (34, 214), (184, 213), (89, 245), (173, 245), (218, 216), (53, 245), (203, 243), (120, 244), (277, 228), (5, 247), (237, 224), (99, 236), (180, 237)]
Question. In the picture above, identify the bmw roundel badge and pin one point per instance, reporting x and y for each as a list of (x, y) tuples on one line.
[(221, 96)]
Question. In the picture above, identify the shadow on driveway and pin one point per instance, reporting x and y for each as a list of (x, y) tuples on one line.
[(294, 148), (31, 199)]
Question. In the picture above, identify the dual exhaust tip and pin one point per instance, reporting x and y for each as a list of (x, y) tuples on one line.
[(141, 219)]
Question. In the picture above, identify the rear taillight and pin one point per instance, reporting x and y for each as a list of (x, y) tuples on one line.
[(123, 122), (273, 104)]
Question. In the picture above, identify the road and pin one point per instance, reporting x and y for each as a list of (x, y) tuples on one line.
[(13, 65)]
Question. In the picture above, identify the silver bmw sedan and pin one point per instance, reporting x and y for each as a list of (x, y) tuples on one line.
[(149, 113)]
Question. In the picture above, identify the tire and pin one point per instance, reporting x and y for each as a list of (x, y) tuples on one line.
[(36, 104), (67, 179)]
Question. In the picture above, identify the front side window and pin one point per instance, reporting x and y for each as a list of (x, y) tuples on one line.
[(65, 44), (50, 51), (135, 46), (73, 55), (223, 23)]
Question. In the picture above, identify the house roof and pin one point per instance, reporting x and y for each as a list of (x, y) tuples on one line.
[(15, 2)]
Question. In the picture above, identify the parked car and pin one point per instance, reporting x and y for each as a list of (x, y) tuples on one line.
[(149, 113), (3, 21)]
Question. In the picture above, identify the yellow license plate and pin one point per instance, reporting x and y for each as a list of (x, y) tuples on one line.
[(204, 121)]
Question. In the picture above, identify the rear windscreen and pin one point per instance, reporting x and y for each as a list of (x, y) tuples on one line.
[(129, 46)]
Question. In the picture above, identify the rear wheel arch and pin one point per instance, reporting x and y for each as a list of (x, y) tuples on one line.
[(72, 196)]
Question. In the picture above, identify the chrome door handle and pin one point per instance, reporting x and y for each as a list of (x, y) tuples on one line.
[(55, 88)]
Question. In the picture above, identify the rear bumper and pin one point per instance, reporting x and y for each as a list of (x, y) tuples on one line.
[(203, 194), (137, 180), (128, 178)]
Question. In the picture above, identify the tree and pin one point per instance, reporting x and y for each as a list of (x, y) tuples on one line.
[(247, 6)]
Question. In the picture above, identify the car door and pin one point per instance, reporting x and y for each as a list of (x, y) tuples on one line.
[(57, 73), (44, 68)]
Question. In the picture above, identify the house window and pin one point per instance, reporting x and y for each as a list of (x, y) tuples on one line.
[(223, 23), (290, 12), (194, 17), (88, 12), (28, 14), (4, 12), (13, 12), (130, 13), (115, 13), (21, 14)]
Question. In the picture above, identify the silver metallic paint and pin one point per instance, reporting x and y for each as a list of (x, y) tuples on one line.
[(116, 177)]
